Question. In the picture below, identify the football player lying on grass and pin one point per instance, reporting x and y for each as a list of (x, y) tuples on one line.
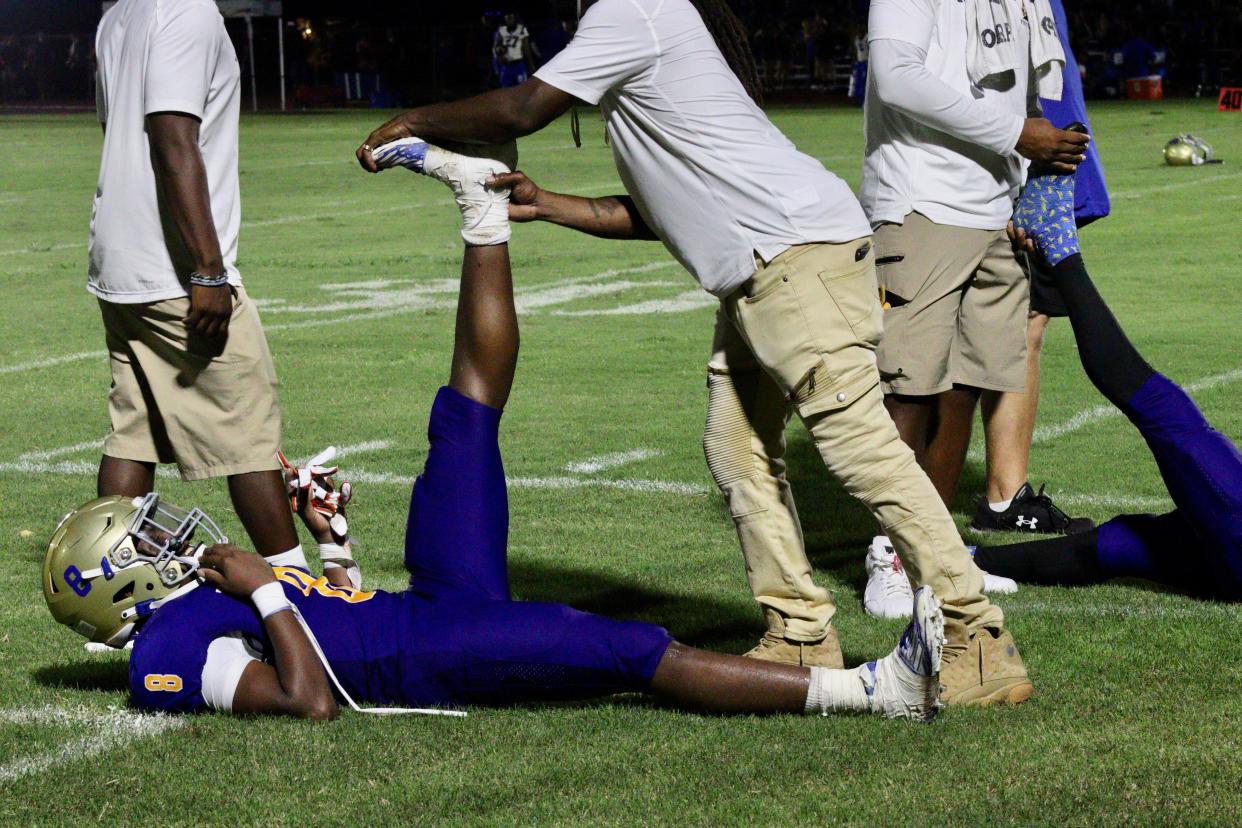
[(1198, 546), (216, 627)]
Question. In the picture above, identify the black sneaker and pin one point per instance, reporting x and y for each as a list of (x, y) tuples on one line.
[(1028, 512)]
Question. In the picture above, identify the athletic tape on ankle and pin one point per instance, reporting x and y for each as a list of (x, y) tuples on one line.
[(270, 599)]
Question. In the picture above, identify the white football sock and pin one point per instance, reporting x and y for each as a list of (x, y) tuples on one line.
[(1000, 507), (836, 691)]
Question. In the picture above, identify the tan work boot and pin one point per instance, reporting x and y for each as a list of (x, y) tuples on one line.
[(823, 653), (989, 671)]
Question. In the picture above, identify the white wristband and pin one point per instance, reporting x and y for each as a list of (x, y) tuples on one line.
[(270, 599)]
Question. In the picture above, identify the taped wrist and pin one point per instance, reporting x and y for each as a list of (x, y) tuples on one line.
[(335, 556), (270, 599)]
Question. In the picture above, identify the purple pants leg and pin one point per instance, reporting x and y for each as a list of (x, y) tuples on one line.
[(468, 642), (1202, 470)]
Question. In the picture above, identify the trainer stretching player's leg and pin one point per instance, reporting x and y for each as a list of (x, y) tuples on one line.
[(784, 245), (253, 639), (1198, 546)]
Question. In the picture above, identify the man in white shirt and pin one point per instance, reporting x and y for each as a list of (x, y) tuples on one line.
[(785, 246), (944, 161), (192, 379)]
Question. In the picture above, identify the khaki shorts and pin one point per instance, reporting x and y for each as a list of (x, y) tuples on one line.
[(210, 406), (957, 303)]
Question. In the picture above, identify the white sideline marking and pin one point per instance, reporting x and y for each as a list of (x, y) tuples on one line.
[(688, 301), (113, 729), (1161, 188), (606, 462)]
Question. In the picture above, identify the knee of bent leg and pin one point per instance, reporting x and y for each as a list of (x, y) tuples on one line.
[(727, 434)]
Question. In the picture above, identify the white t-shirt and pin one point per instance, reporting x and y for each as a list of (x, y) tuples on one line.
[(160, 56), (509, 42), (710, 174), (936, 144)]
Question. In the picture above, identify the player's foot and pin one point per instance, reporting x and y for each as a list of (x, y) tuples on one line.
[(1029, 511), (998, 584), (888, 593), (1045, 210), (823, 653), (906, 683), (989, 671), (484, 211)]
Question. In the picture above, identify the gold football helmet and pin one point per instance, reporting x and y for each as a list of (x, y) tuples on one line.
[(112, 561), (1187, 151)]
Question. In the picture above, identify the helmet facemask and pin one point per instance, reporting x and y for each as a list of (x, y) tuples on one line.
[(164, 535)]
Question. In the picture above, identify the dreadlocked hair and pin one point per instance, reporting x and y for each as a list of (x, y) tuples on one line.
[(730, 35)]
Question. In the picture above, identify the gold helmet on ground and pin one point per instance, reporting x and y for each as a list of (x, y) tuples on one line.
[(113, 560), (1187, 151)]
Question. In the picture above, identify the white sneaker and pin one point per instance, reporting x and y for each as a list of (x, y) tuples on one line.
[(998, 584), (888, 593), (484, 212), (905, 684)]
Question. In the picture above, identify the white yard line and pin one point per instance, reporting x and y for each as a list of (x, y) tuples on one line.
[(1140, 609), (35, 365), (112, 730), (688, 301), (1087, 417), (606, 462), (559, 482), (380, 306), (1116, 501), (38, 248)]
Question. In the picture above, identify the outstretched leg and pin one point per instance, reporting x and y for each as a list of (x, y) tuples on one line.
[(508, 652), (1201, 468), (458, 528)]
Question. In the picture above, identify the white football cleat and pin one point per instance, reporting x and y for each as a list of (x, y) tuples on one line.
[(888, 593), (484, 211), (905, 684)]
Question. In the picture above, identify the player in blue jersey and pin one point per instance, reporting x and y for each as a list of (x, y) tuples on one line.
[(216, 627), (1198, 546)]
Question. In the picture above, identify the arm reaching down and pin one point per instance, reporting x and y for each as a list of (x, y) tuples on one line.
[(610, 217), (297, 685), (182, 178)]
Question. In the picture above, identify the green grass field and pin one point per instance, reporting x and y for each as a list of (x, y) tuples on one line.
[(1137, 717)]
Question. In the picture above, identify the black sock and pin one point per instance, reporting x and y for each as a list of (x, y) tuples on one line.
[(1069, 560), (1110, 359)]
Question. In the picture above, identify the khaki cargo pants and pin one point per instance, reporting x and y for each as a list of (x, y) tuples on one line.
[(801, 335)]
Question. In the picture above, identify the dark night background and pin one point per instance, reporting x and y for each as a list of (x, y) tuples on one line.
[(60, 16), (414, 51)]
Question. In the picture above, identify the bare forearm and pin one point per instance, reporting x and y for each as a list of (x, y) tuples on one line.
[(183, 180), (490, 118), (611, 217), (301, 676)]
